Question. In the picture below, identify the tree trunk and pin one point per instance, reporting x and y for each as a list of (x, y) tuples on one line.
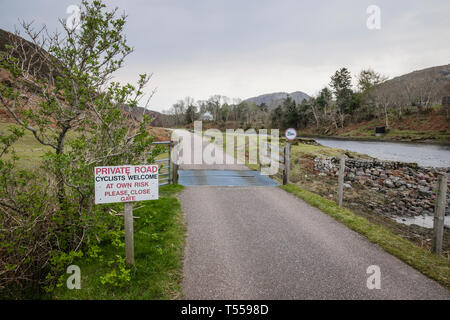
[(59, 171), (386, 117)]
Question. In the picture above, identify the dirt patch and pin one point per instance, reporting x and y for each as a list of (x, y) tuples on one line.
[(160, 134), (434, 121)]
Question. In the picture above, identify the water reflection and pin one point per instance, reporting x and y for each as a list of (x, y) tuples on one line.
[(427, 155)]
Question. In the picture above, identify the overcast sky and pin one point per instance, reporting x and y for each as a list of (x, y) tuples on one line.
[(246, 48)]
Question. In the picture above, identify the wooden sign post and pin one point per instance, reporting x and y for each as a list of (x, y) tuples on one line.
[(439, 215), (126, 184), (287, 163), (129, 232), (290, 134), (340, 193)]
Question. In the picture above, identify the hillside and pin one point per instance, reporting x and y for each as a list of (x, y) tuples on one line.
[(23, 48), (413, 103), (423, 87), (274, 99), (158, 119), (32, 93), (432, 126)]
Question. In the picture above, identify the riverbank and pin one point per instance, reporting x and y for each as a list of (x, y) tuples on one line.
[(427, 127), (384, 192), (444, 139), (425, 155)]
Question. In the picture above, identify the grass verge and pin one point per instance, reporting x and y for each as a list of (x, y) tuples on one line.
[(158, 256), (433, 266)]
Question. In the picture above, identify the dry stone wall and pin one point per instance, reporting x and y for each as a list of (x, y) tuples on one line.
[(411, 189)]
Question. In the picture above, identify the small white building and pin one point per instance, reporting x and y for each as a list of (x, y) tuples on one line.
[(207, 116)]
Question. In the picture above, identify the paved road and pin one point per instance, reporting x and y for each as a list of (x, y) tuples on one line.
[(225, 161), (264, 243)]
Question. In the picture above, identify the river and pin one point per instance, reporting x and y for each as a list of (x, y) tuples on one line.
[(426, 155)]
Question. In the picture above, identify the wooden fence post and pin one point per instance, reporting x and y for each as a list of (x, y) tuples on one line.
[(340, 194), (287, 163), (175, 174), (129, 240), (170, 163), (439, 212), (175, 165)]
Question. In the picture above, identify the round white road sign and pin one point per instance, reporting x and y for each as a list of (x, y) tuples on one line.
[(290, 134)]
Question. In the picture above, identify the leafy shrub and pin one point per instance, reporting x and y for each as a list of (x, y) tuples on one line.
[(28, 225), (48, 217)]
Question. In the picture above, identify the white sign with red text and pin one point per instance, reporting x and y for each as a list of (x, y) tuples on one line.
[(126, 183)]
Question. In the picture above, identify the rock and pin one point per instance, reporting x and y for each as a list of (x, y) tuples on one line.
[(388, 183), (350, 176), (409, 188), (425, 192), (420, 176), (361, 180), (369, 183)]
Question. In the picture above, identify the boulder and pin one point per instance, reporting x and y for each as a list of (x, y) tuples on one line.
[(350, 176), (425, 192), (388, 183)]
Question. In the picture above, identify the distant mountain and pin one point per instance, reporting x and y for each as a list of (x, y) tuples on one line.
[(274, 99)]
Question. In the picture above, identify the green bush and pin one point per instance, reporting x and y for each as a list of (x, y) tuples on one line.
[(48, 216)]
